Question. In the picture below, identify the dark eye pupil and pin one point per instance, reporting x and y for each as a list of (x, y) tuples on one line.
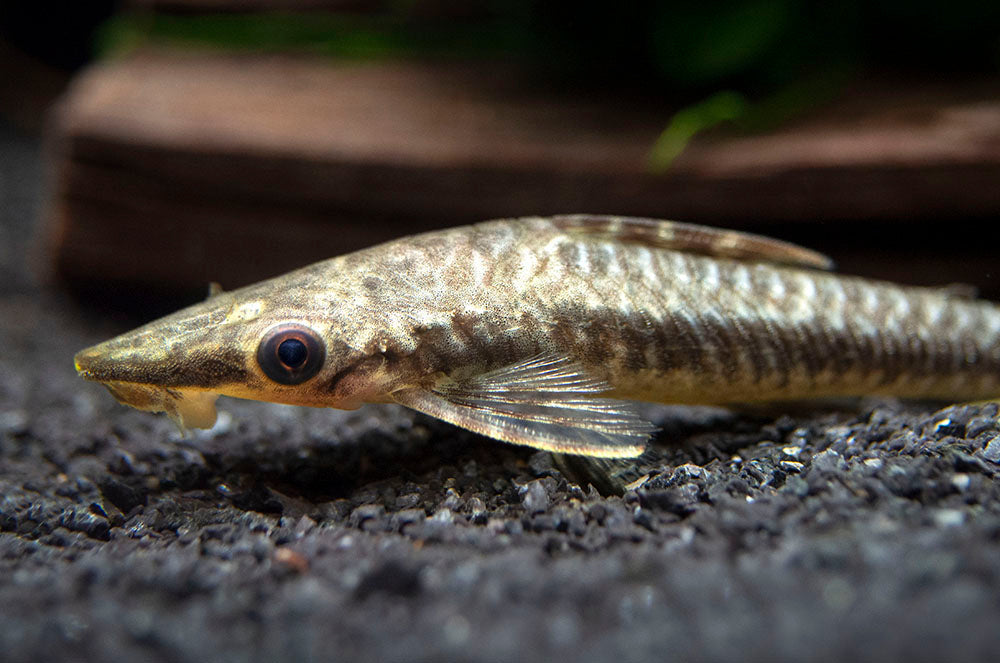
[(292, 352)]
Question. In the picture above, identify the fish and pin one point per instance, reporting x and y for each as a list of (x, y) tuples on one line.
[(546, 331)]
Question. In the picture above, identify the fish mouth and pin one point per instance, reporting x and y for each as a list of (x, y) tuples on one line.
[(187, 407)]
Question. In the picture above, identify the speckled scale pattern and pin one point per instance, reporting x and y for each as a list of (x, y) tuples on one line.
[(676, 326)]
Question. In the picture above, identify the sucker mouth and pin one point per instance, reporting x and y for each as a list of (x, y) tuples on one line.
[(186, 407)]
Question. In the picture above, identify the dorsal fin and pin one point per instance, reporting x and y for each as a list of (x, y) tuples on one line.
[(960, 290), (694, 238)]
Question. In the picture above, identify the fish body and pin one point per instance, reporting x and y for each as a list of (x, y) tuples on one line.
[(540, 331)]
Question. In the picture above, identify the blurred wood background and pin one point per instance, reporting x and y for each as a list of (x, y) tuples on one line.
[(173, 169)]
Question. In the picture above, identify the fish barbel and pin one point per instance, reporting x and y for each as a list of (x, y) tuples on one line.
[(542, 331)]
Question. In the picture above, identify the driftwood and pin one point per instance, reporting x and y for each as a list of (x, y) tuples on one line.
[(178, 169)]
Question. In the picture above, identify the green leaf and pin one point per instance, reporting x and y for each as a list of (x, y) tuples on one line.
[(686, 123)]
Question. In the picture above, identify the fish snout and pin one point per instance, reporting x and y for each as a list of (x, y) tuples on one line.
[(119, 360), (87, 363)]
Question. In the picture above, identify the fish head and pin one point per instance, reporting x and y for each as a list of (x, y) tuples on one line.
[(277, 341)]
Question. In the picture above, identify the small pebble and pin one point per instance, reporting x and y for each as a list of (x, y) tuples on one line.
[(407, 516), (534, 498), (829, 461), (792, 452), (689, 470), (366, 512), (476, 506), (791, 466), (291, 559), (949, 517), (443, 516), (452, 500), (978, 426), (943, 423), (991, 451)]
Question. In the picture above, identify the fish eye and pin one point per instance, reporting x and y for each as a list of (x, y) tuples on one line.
[(290, 353)]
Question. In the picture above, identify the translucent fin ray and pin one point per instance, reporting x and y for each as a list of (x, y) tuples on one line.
[(545, 402)]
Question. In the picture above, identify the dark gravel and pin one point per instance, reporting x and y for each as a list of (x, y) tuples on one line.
[(298, 534)]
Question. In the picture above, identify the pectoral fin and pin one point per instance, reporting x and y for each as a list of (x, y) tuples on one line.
[(545, 402)]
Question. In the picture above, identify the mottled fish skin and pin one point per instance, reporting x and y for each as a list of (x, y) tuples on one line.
[(670, 326), (655, 311)]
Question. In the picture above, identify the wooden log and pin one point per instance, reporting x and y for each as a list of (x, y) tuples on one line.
[(176, 169)]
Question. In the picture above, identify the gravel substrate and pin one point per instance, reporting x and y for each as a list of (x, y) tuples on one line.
[(297, 534)]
